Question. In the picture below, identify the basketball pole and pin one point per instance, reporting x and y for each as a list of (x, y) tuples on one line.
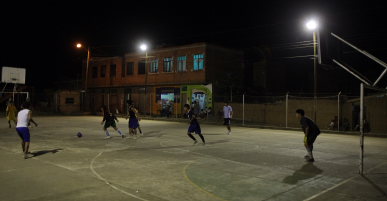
[(361, 123)]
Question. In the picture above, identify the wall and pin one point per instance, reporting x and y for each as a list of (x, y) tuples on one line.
[(274, 114), (67, 108)]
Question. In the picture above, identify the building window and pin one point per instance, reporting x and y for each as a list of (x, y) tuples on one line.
[(141, 67), (103, 71), (123, 71), (113, 70), (129, 68), (198, 62), (69, 101), (94, 72), (181, 63), (168, 64), (154, 66)]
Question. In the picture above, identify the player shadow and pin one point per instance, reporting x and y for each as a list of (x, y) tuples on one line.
[(378, 188), (213, 134), (307, 171), (217, 142), (42, 152)]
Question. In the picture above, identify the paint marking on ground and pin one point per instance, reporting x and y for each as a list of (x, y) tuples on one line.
[(108, 183), (197, 186), (339, 184)]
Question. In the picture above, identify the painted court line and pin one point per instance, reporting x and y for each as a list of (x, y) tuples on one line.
[(108, 183), (339, 184), (197, 186)]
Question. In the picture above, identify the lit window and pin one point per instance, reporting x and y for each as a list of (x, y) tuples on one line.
[(181, 63), (154, 66), (198, 62), (168, 64)]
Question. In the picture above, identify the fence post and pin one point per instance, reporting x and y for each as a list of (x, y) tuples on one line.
[(286, 114), (338, 111), (243, 109)]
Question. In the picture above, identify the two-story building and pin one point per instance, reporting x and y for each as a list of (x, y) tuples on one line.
[(163, 79)]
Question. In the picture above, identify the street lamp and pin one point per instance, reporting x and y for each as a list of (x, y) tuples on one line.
[(144, 47), (79, 46), (312, 25)]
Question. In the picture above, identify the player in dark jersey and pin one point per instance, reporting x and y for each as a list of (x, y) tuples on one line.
[(110, 120), (129, 107), (194, 126), (133, 120), (311, 132)]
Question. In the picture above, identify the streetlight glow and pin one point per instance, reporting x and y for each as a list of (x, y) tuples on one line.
[(79, 45), (312, 25), (143, 47)]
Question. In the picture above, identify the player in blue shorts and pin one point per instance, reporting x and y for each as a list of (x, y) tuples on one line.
[(194, 126), (133, 120), (129, 112), (23, 118), (110, 120)]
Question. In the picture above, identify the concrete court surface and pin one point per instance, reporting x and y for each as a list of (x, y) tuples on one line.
[(251, 164)]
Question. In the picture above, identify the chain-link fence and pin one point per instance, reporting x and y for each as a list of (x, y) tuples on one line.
[(333, 112)]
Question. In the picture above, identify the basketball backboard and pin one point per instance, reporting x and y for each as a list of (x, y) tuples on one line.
[(13, 75)]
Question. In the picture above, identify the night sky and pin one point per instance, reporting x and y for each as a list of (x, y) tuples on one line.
[(41, 37)]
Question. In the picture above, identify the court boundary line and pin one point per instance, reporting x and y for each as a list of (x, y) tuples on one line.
[(197, 186), (107, 182), (341, 183)]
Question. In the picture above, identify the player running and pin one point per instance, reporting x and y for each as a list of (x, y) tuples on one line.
[(194, 126), (133, 120), (130, 107), (110, 120)]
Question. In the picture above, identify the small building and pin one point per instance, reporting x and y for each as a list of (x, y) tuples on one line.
[(67, 102), (163, 80)]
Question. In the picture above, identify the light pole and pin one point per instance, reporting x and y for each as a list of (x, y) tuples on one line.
[(79, 46), (312, 25), (144, 48)]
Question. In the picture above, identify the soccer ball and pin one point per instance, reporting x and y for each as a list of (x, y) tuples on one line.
[(79, 134)]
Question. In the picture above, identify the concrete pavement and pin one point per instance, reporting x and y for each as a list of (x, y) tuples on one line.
[(250, 164)]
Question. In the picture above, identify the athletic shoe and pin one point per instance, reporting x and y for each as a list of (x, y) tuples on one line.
[(306, 157), (108, 137), (123, 136), (310, 160), (229, 133), (195, 142)]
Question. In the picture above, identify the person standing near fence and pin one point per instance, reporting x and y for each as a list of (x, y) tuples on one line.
[(311, 132), (227, 114)]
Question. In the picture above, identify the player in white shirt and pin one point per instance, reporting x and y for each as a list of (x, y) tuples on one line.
[(23, 120), (227, 113)]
